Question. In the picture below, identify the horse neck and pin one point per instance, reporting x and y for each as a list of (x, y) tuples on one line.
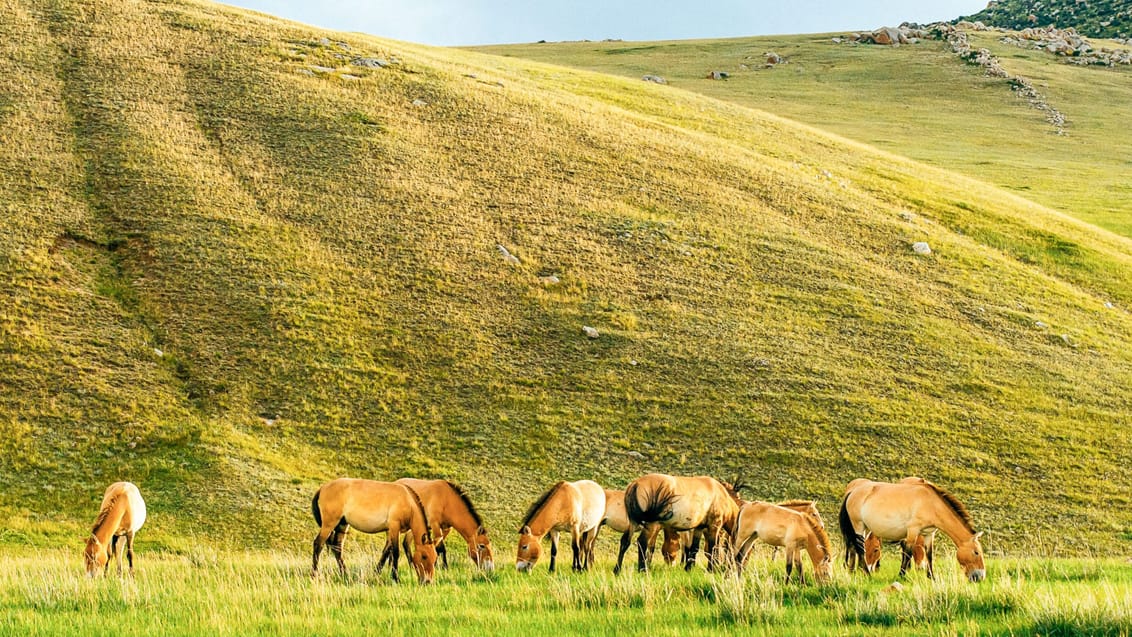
[(458, 516), (546, 517), (951, 524), (109, 519), (814, 546)]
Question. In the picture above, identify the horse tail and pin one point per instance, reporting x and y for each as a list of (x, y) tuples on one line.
[(854, 542), (657, 508), (315, 510)]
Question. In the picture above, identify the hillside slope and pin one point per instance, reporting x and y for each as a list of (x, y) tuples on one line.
[(239, 257), (1096, 18), (919, 101)]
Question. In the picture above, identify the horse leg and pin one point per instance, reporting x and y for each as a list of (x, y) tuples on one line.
[(319, 540), (553, 549), (395, 552), (334, 543), (929, 544), (114, 555), (591, 546), (576, 547), (643, 540), (130, 551), (626, 538), (905, 556), (694, 549)]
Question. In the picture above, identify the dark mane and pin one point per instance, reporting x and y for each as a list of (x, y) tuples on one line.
[(955, 505), (105, 513), (733, 489), (823, 538), (424, 516), (467, 502), (537, 506), (796, 503)]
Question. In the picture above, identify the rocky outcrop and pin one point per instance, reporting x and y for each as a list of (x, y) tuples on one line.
[(1068, 43)]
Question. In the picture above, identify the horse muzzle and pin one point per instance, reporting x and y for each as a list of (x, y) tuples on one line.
[(487, 566), (523, 566), (977, 575)]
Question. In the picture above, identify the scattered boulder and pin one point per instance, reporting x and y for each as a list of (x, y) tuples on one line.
[(370, 63), (322, 69), (718, 75), (773, 58), (419, 103), (921, 248), (655, 79), (590, 332), (549, 280), (507, 256), (347, 76), (894, 587), (635, 454)]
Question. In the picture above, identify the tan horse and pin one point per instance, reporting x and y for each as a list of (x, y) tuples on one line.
[(903, 512), (578, 507), (372, 507), (121, 515), (676, 544), (448, 507), (683, 504), (788, 528), (869, 561)]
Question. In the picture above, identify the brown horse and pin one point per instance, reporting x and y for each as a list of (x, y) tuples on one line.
[(121, 515), (787, 528), (676, 544), (448, 507), (578, 507), (683, 504), (372, 507), (903, 512)]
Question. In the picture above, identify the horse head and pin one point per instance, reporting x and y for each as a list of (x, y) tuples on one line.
[(479, 549), (95, 555), (671, 547), (872, 553), (424, 559), (970, 556), (823, 570), (530, 547)]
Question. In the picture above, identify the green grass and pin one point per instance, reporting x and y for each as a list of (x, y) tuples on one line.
[(207, 593), (917, 101), (228, 277)]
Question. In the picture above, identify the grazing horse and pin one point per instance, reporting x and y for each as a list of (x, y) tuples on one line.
[(676, 544), (372, 507), (904, 511), (578, 507), (921, 548), (683, 504), (788, 528), (448, 507), (121, 515)]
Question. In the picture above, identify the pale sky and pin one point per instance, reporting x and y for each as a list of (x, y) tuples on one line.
[(466, 22)]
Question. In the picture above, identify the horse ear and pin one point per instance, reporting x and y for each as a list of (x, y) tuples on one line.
[(978, 535), (481, 531), (526, 530)]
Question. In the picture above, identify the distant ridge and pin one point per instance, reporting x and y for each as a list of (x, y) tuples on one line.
[(1096, 19)]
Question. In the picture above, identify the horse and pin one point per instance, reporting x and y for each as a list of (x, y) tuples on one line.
[(578, 507), (122, 514), (903, 511), (676, 544), (921, 548), (683, 504), (448, 507), (788, 528), (372, 507)]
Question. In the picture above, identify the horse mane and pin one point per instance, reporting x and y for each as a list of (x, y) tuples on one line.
[(796, 503), (105, 513), (537, 506), (424, 516), (823, 537), (467, 502), (733, 488), (955, 504)]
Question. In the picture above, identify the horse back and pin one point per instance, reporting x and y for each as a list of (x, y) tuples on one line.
[(131, 512), (616, 516), (589, 506), (367, 505)]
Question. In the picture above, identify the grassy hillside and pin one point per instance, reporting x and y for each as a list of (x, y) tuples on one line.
[(918, 101), (236, 263), (1098, 18)]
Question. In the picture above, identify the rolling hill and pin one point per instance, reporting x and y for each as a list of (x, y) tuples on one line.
[(1097, 19), (919, 101), (240, 256)]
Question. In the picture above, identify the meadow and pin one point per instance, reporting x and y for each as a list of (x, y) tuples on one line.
[(206, 592)]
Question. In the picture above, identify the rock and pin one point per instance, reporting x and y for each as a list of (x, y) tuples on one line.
[(837, 40), (306, 72), (921, 248), (773, 58), (635, 454), (507, 256), (347, 76), (419, 103), (718, 75), (590, 332), (549, 280), (882, 37), (158, 352), (324, 41), (907, 216), (322, 69), (894, 587), (370, 63), (1109, 306), (1041, 325), (655, 79)]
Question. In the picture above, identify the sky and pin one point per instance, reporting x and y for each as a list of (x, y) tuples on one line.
[(467, 22)]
